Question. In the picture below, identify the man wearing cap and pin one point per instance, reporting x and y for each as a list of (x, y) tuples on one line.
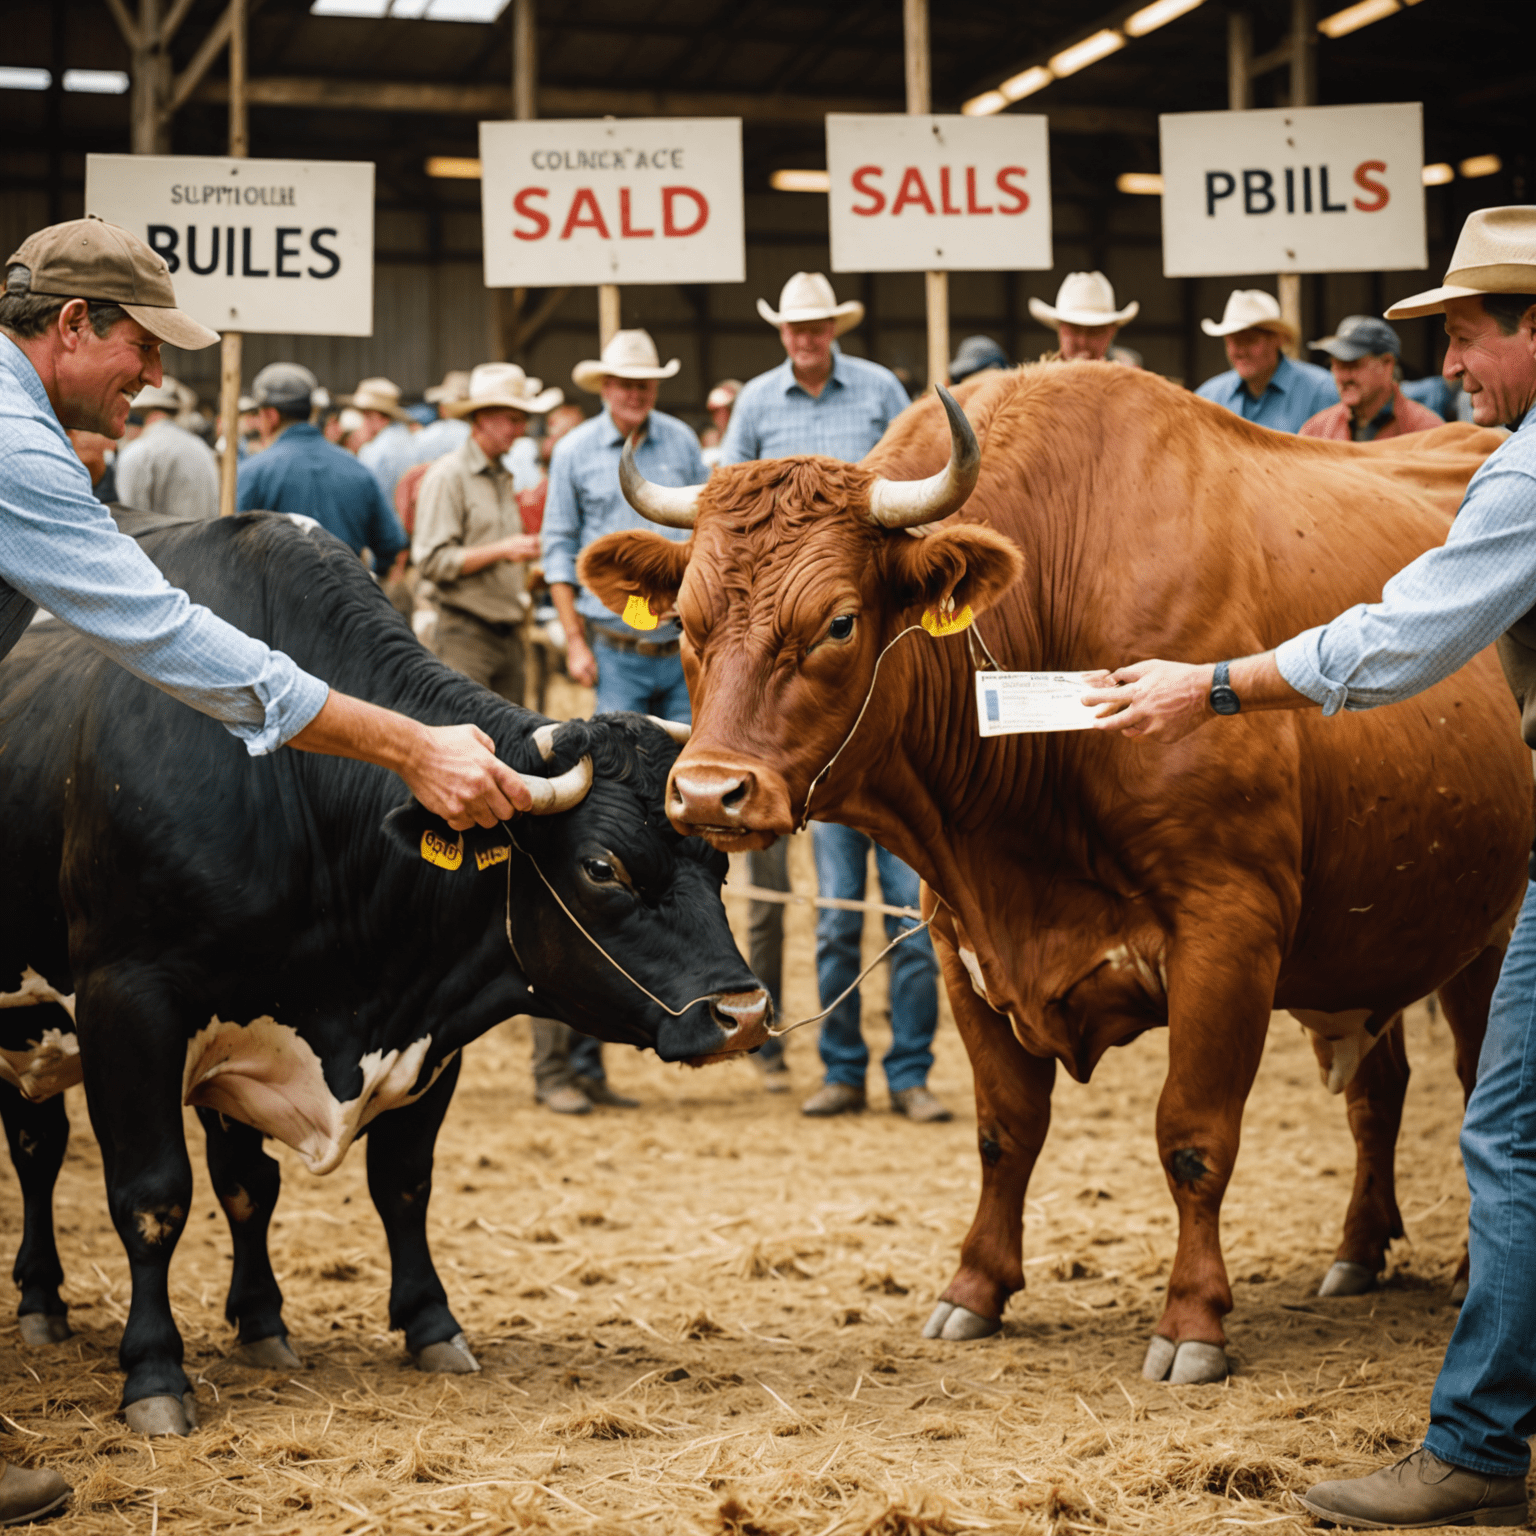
[(84, 311), (1434, 616), (820, 400), (166, 468), (1365, 353), (299, 471), (1263, 385), (1084, 316), (976, 354), (387, 446)]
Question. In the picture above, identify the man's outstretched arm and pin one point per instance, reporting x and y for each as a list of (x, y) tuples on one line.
[(1166, 700)]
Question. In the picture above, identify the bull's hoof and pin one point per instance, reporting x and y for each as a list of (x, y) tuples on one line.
[(1182, 1365), (1458, 1292), (165, 1415), (1345, 1278), (451, 1357), (949, 1320), (39, 1328), (272, 1353)]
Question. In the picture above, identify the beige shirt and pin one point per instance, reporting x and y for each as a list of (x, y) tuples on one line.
[(467, 500)]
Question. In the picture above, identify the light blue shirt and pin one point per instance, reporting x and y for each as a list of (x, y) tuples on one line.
[(585, 501), (388, 455), (775, 417), (60, 549), (1437, 613), (1296, 392)]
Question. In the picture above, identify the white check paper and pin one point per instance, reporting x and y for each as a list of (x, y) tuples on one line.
[(1011, 703)]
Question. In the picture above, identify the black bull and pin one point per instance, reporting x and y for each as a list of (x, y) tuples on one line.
[(180, 922)]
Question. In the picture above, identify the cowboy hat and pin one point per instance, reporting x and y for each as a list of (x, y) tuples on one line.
[(1250, 309), (628, 355), (1496, 253), (164, 396), (455, 386), (380, 395), (809, 296), (1084, 298), (505, 386)]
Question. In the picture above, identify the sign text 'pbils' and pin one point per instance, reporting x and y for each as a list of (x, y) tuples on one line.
[(931, 194), (1310, 189), (635, 201), (269, 246)]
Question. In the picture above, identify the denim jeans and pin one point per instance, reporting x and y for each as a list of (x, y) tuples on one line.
[(1484, 1405), (842, 861), (650, 685)]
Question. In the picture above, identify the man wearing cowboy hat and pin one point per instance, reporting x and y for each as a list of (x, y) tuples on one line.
[(1365, 351), (166, 468), (1263, 385), (1084, 316), (84, 310), (469, 541), (1434, 616), (820, 400), (384, 445), (299, 471)]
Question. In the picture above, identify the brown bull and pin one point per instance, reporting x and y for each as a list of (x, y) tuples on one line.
[(1087, 889)]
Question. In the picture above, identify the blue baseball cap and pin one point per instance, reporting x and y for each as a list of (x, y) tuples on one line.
[(1359, 336)]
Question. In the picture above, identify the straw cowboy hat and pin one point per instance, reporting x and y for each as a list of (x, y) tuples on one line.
[(380, 395), (809, 296), (1250, 309), (1496, 253), (455, 386), (628, 355), (1084, 298), (504, 385)]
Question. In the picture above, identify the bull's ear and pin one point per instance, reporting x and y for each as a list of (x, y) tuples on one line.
[(620, 566), (969, 564), (417, 832)]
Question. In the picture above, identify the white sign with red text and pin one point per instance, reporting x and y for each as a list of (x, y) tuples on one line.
[(1311, 189), (939, 194), (268, 246), (634, 201)]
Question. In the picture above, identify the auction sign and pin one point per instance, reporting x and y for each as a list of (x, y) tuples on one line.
[(939, 194), (638, 200), (1310, 189), (274, 246)]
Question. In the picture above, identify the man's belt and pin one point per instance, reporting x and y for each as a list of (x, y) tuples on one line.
[(618, 642), (503, 630)]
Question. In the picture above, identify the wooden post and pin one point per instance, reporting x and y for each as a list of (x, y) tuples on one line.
[(147, 82), (231, 345), (1239, 61), (507, 303), (914, 14), (1303, 94), (607, 311)]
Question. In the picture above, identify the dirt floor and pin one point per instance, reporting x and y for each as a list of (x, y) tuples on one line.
[(704, 1316)]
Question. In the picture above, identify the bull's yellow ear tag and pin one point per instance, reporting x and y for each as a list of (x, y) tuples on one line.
[(946, 620), (637, 613), (436, 849)]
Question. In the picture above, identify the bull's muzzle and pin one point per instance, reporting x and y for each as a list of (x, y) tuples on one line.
[(744, 1016), (733, 805)]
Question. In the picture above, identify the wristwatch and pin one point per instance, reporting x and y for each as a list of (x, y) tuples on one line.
[(1223, 699)]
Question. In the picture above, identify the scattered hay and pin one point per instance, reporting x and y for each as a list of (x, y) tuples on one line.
[(602, 1421)]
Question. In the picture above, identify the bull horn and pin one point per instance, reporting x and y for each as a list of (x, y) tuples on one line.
[(911, 503), (551, 796), (679, 733), (673, 506), (544, 740)]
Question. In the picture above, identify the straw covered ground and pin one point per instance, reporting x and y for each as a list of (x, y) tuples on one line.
[(704, 1316)]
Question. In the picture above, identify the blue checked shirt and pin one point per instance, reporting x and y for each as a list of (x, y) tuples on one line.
[(1297, 392), (584, 500), (1436, 614), (775, 417), (60, 549)]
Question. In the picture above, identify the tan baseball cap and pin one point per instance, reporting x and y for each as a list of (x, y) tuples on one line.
[(91, 259)]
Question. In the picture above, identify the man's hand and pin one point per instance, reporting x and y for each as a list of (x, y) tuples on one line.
[(580, 662), (454, 771), (1162, 700), (522, 546)]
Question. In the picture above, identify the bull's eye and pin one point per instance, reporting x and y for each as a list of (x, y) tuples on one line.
[(600, 872), (841, 628)]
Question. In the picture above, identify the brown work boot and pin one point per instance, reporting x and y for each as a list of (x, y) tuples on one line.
[(28, 1494), (921, 1104), (565, 1099), (834, 1099), (598, 1091), (1420, 1490)]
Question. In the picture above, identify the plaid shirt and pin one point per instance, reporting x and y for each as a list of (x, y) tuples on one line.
[(775, 417), (1439, 611), (60, 548)]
